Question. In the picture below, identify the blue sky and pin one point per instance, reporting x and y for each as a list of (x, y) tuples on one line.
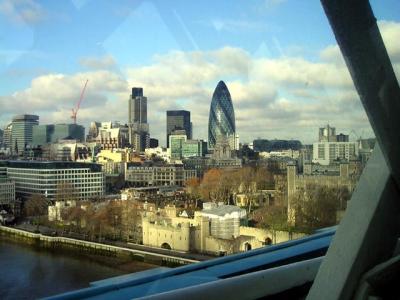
[(271, 53)]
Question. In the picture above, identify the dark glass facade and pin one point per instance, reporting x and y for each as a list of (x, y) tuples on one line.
[(261, 145), (137, 106), (221, 121), (43, 134), (21, 132), (178, 120)]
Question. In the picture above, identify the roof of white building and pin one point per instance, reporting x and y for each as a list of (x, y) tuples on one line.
[(224, 210)]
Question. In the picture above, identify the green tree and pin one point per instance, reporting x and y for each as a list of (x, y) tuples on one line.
[(316, 206), (271, 217)]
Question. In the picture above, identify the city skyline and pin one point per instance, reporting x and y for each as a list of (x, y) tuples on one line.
[(286, 80)]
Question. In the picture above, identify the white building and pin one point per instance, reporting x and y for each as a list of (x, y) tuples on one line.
[(325, 153), (224, 220), (85, 180), (163, 153), (55, 211)]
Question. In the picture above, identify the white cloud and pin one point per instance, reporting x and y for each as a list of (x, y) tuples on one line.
[(391, 36), (285, 97), (104, 62), (52, 96), (237, 25), (22, 11)]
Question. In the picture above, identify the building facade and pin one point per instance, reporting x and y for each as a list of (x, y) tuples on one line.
[(178, 120), (49, 178), (221, 120), (175, 142), (52, 133), (194, 148), (263, 145), (327, 134), (7, 140), (22, 132), (7, 192), (326, 153), (214, 231), (139, 136), (158, 175)]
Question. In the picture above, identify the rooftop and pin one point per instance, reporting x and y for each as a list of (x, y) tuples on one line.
[(223, 210)]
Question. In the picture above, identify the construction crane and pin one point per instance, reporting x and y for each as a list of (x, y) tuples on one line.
[(75, 110)]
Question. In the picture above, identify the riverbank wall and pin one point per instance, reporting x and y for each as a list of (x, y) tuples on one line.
[(92, 248)]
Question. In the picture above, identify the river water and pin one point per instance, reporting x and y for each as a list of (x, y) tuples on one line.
[(30, 273)]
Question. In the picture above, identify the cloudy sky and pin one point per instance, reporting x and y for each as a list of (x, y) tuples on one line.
[(278, 58)]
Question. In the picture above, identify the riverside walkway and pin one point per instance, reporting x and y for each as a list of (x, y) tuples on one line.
[(112, 250)]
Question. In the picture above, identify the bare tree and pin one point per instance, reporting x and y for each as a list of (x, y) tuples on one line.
[(66, 191), (209, 184), (36, 207), (74, 217)]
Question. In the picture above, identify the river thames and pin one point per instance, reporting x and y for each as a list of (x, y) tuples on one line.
[(31, 273)]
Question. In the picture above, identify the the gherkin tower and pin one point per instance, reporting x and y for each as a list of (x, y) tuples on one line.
[(221, 121)]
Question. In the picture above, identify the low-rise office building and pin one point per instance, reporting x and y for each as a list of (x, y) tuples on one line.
[(139, 175), (56, 179)]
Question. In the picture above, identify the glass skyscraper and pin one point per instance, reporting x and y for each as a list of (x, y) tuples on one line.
[(178, 120), (21, 132), (221, 121), (139, 136)]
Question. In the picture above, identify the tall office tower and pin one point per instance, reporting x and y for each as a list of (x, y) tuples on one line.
[(221, 122), (327, 134), (139, 136), (21, 132), (1, 137), (178, 120)]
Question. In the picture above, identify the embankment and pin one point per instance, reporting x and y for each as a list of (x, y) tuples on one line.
[(91, 249)]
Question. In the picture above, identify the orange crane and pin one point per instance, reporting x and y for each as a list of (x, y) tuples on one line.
[(75, 110)]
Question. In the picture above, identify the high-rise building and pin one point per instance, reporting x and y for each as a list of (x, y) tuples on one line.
[(327, 134), (178, 120), (137, 106), (21, 132), (326, 153), (139, 136), (1, 137), (175, 142), (342, 137), (221, 121), (44, 134)]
